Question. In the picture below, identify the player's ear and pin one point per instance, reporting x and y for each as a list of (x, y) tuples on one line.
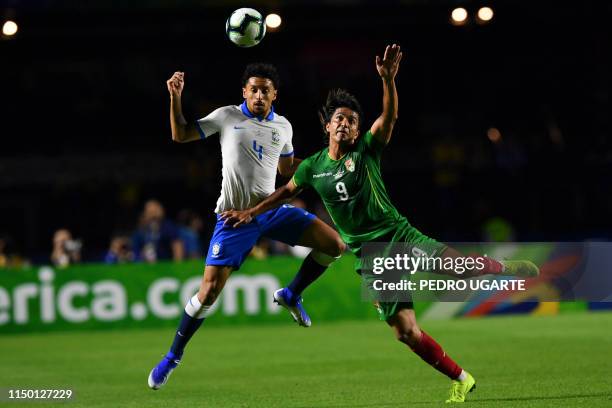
[(274, 95), (244, 93), (327, 127)]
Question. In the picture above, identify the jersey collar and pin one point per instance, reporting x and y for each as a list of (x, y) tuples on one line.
[(338, 159), (248, 113)]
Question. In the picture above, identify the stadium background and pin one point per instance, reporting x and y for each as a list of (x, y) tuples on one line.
[(85, 122), (504, 123)]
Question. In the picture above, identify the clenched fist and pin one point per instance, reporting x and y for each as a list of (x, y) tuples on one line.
[(175, 84)]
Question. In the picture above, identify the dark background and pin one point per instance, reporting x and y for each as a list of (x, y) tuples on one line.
[(84, 118)]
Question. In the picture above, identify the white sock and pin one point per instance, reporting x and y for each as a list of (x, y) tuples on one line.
[(322, 258), (462, 376), (195, 309), (193, 306)]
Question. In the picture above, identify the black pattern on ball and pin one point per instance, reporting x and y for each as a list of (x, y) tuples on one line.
[(248, 19)]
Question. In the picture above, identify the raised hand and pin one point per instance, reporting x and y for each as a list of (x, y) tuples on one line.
[(176, 83), (389, 65)]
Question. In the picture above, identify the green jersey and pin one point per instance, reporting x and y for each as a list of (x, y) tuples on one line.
[(353, 192), (356, 198)]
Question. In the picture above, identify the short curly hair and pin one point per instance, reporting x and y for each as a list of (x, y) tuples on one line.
[(261, 70), (338, 98)]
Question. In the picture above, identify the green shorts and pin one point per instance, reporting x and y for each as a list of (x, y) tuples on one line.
[(413, 238)]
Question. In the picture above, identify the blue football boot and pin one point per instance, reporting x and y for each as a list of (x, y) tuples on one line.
[(284, 297), (159, 375)]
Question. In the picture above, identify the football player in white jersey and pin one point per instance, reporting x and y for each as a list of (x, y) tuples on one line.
[(255, 142)]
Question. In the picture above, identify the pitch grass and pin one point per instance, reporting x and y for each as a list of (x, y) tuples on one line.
[(561, 361)]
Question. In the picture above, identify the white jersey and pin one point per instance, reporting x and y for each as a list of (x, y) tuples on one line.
[(250, 148)]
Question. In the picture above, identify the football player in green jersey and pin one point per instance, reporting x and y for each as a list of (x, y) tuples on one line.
[(347, 177)]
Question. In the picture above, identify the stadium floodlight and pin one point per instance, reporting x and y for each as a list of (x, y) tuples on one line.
[(459, 16), (9, 28), (485, 14), (273, 21), (494, 135)]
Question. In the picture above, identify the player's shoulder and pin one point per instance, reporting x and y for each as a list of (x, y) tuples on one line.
[(223, 112), (229, 114), (231, 109), (281, 120), (227, 109), (367, 142), (365, 139)]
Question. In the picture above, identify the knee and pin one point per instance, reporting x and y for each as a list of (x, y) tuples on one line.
[(337, 248), (409, 335), (329, 252)]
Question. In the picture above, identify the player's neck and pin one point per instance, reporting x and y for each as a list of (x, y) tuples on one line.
[(260, 116), (265, 114), (336, 152)]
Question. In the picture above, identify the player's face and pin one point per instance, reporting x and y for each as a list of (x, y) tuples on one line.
[(343, 128), (259, 94)]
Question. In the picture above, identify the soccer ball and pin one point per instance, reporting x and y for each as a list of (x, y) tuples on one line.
[(245, 27)]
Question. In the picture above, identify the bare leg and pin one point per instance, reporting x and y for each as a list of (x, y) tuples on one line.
[(321, 237), (213, 280), (407, 331), (405, 327)]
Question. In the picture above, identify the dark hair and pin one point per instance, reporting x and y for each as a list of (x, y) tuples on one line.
[(338, 98), (261, 70)]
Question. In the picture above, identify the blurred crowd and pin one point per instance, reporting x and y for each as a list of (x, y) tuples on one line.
[(154, 238)]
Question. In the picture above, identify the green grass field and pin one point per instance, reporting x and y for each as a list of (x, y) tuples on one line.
[(562, 361)]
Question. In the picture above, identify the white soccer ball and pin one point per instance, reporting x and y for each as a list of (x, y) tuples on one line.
[(245, 27)]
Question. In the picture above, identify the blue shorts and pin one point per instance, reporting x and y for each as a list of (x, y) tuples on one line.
[(230, 246)]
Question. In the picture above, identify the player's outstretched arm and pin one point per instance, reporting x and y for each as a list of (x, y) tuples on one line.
[(280, 196), (182, 132), (387, 68)]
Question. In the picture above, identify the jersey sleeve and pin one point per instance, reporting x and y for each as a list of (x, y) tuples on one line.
[(372, 145), (302, 175), (211, 124), (288, 148)]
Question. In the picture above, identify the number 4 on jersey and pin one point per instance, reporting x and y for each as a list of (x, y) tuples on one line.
[(259, 149)]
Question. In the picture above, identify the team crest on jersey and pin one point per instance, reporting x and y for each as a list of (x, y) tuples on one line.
[(350, 165), (275, 137), (216, 249)]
